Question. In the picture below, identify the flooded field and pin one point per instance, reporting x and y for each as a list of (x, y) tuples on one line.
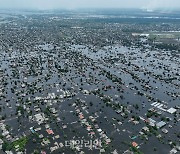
[(73, 84)]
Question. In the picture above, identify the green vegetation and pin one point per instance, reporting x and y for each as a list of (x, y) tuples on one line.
[(21, 109), (150, 114), (135, 150), (6, 146), (163, 35), (21, 143)]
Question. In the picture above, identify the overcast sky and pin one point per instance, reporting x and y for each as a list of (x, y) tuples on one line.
[(54, 4)]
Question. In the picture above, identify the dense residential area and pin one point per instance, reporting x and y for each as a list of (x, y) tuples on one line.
[(89, 82)]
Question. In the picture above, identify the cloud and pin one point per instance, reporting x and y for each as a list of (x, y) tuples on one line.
[(153, 4)]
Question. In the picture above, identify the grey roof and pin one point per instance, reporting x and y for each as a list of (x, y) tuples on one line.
[(160, 124)]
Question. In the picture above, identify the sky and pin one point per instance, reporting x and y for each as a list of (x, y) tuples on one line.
[(73, 4)]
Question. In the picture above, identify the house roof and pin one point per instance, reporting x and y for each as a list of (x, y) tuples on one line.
[(160, 124), (171, 110), (134, 144)]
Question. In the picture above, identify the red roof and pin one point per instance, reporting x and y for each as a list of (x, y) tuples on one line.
[(134, 144), (49, 131)]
